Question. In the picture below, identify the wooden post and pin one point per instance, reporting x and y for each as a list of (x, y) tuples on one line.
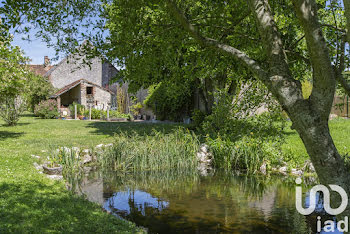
[(90, 112), (75, 112), (107, 113)]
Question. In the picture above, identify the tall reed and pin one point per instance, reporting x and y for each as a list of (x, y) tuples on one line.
[(155, 152)]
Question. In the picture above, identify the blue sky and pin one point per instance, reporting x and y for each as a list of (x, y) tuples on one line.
[(35, 49)]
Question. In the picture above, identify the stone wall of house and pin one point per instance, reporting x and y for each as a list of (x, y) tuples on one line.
[(108, 72), (103, 99), (70, 70)]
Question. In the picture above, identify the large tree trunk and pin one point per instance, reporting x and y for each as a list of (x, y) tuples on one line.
[(319, 144), (328, 163)]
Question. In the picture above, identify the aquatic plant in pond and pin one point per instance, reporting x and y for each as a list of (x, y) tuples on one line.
[(246, 154), (71, 160), (157, 152)]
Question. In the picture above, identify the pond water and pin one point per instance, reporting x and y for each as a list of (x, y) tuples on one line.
[(190, 203)]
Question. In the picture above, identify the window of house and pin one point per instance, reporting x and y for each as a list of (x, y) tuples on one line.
[(89, 90)]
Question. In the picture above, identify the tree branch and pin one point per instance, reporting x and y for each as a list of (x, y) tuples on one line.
[(347, 16), (344, 83), (339, 71), (323, 75), (251, 64), (286, 89), (333, 27)]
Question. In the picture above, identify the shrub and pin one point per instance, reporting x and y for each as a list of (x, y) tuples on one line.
[(47, 109), (102, 114), (170, 100), (240, 139), (198, 117), (80, 109), (95, 113), (136, 108), (10, 110), (37, 89), (117, 114)]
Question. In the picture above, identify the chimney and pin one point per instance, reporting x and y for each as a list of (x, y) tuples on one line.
[(46, 61)]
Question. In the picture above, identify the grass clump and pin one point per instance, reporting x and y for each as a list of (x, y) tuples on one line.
[(157, 151), (246, 154)]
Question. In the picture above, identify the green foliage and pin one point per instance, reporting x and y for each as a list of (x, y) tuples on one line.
[(37, 89), (136, 108), (13, 76), (198, 117), (117, 114), (102, 114), (80, 109), (169, 100), (47, 109), (241, 139), (95, 113), (246, 154), (174, 151), (10, 110), (13, 73), (122, 100)]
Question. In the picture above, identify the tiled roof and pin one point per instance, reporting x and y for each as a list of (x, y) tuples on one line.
[(74, 84), (40, 70)]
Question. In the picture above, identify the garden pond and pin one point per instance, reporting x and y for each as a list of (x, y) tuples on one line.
[(190, 203)]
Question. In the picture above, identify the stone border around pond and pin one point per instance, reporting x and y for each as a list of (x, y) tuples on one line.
[(55, 173), (203, 156)]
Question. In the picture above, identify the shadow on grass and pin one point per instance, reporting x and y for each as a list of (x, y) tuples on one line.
[(34, 207), (128, 128), (6, 134), (27, 114)]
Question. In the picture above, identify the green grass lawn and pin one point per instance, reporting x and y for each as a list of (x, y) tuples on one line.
[(29, 202), (340, 131)]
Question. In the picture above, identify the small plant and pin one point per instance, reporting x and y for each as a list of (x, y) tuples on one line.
[(80, 109), (10, 110), (117, 114), (121, 99), (95, 113), (47, 109), (136, 108)]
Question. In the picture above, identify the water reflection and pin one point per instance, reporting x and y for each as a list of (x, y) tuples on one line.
[(123, 202), (189, 203)]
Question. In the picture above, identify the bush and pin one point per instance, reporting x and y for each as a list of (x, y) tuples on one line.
[(95, 113), (240, 139), (80, 109), (117, 114), (170, 100), (102, 114), (37, 89), (47, 109), (10, 109), (198, 117), (136, 108)]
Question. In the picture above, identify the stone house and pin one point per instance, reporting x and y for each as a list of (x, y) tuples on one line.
[(88, 84), (75, 81)]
